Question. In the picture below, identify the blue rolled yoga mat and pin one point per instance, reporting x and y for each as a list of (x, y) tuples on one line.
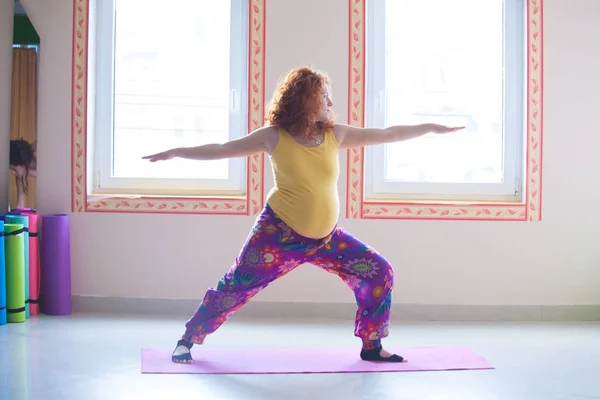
[(2, 277), (22, 220)]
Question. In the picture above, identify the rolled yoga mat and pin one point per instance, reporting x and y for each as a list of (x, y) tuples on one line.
[(34, 259), (23, 220), (56, 264), (14, 249), (2, 277)]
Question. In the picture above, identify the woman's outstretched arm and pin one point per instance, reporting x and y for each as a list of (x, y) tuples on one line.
[(248, 145), (350, 136)]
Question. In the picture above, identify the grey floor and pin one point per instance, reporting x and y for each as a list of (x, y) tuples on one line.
[(94, 356)]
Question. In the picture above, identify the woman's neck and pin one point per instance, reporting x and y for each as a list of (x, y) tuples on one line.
[(309, 132)]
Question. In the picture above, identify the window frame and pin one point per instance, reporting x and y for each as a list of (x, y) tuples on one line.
[(83, 131), (376, 186), (359, 201), (104, 183)]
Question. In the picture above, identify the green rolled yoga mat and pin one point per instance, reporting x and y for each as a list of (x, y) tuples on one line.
[(2, 276), (23, 220), (14, 250)]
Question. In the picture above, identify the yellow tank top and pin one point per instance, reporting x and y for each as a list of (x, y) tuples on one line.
[(305, 194)]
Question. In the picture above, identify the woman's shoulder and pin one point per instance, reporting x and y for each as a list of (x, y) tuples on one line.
[(270, 136), (338, 131)]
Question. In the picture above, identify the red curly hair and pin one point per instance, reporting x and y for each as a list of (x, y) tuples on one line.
[(296, 102)]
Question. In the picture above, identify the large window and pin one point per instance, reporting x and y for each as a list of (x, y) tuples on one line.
[(169, 74), (459, 63)]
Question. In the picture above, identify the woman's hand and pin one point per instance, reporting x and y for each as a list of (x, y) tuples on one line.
[(435, 128), (162, 156)]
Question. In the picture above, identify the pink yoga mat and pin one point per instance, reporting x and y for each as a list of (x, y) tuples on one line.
[(34, 260), (302, 361)]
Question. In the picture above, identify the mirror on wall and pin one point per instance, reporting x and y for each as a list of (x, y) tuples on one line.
[(23, 117)]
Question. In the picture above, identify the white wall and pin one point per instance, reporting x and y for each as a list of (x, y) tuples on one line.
[(554, 262), (6, 39), (53, 22)]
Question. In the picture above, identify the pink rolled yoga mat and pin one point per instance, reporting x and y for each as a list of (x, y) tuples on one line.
[(56, 264), (309, 361), (34, 259)]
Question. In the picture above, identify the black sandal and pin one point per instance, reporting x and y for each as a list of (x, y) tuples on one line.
[(182, 358), (374, 355)]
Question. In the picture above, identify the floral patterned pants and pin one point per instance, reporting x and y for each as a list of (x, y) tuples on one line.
[(272, 250)]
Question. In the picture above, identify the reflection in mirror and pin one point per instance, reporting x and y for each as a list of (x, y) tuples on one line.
[(23, 118)]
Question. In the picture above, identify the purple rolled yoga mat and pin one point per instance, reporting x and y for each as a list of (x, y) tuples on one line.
[(56, 265)]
